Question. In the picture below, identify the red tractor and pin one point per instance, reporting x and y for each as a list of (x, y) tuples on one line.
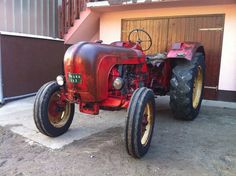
[(119, 75)]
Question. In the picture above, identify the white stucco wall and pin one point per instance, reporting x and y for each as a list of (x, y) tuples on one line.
[(110, 30)]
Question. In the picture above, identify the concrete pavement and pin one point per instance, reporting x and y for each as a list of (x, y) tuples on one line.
[(18, 116)]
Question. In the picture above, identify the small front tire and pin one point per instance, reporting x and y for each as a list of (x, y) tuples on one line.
[(140, 122), (52, 116)]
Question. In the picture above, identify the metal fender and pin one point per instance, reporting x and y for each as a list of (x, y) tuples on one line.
[(185, 50)]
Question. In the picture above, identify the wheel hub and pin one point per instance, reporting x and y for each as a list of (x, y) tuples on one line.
[(58, 111)]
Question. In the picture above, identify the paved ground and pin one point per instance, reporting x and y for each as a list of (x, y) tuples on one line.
[(95, 146)]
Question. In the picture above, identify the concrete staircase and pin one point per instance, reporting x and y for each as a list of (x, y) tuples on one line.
[(86, 28), (77, 22)]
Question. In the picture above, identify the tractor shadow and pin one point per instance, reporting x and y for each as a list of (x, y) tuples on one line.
[(112, 139), (172, 139)]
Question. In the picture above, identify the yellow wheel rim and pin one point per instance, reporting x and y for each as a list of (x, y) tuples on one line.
[(58, 112), (197, 87), (147, 123)]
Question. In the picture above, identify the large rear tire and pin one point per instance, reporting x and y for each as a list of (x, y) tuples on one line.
[(140, 122), (186, 88), (52, 117)]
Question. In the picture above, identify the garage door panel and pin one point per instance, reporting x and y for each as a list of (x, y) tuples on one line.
[(211, 42)]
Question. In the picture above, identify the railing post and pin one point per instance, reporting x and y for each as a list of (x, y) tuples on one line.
[(77, 10), (71, 12), (63, 18)]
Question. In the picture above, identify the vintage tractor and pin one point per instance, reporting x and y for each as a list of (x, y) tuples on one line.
[(99, 76)]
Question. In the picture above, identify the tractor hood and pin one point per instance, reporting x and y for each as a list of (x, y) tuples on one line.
[(87, 67)]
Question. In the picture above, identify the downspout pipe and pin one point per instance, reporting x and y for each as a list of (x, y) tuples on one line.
[(1, 81)]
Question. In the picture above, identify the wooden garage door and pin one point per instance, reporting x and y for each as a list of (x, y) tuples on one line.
[(207, 29)]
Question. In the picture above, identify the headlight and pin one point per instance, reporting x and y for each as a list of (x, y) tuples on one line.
[(60, 80), (118, 83)]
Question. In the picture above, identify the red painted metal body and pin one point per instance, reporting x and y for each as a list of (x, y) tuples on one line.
[(91, 68), (184, 50)]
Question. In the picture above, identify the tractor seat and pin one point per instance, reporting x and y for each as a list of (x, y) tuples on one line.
[(157, 58)]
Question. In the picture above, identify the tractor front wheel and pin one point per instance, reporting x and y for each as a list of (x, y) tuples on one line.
[(52, 115), (186, 88), (140, 122)]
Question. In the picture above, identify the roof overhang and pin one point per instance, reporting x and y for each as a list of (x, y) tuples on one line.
[(104, 6)]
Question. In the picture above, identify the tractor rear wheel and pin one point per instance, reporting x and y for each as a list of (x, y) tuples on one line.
[(186, 88), (52, 116), (140, 122)]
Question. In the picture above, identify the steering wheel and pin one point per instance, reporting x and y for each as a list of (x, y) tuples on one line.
[(141, 37)]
